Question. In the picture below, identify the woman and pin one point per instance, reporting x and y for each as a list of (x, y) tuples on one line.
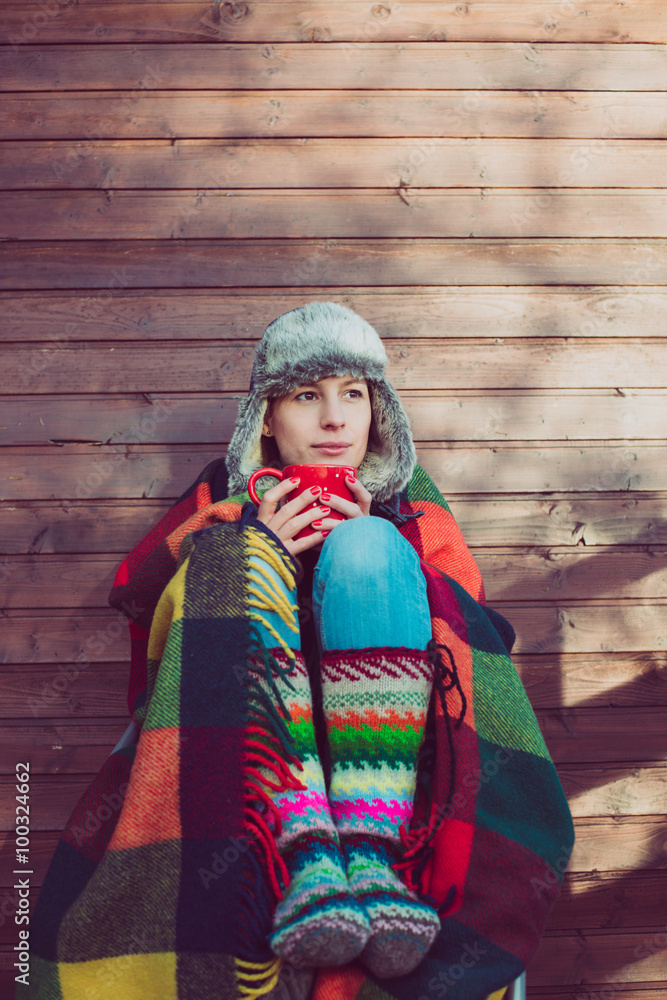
[(297, 799), (312, 375)]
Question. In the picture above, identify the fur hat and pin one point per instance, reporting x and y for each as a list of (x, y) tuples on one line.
[(316, 341)]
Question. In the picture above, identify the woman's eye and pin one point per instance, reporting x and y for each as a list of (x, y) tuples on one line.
[(302, 395)]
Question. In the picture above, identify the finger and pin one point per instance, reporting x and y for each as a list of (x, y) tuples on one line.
[(292, 508), (296, 524), (364, 498), (307, 542), (326, 523), (346, 507), (358, 488), (272, 498)]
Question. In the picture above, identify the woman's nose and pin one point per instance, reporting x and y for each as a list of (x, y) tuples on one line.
[(332, 415)]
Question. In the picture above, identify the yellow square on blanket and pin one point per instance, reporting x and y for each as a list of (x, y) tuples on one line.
[(123, 976)]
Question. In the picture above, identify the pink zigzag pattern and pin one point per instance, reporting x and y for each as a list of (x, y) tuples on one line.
[(377, 810)]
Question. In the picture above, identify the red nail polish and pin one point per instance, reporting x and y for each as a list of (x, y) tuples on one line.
[(351, 479), (325, 533), (325, 510), (294, 479), (325, 496), (316, 524), (315, 489)]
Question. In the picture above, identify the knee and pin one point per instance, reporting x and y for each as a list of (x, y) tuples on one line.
[(366, 546)]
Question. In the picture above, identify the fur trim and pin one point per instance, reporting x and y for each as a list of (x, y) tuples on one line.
[(316, 341)]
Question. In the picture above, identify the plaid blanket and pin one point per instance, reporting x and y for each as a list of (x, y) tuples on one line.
[(163, 884)]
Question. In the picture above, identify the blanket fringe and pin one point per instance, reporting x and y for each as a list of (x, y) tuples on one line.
[(256, 979), (416, 842), (270, 759)]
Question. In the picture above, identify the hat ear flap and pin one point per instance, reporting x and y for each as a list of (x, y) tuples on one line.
[(244, 453)]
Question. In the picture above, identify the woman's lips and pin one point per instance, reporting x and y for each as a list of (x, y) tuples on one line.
[(331, 448)]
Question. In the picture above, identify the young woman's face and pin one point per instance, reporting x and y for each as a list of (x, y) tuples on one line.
[(326, 423)]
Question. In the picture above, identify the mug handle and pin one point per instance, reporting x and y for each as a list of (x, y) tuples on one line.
[(256, 475)]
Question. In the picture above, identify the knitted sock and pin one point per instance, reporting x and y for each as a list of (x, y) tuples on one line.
[(318, 921), (375, 705), (402, 928)]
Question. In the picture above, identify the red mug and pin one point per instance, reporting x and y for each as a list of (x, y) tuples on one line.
[(331, 478)]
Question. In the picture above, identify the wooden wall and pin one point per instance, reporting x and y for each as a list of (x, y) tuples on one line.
[(484, 182)]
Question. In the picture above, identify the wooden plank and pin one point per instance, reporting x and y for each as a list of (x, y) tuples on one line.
[(80, 472), (602, 735), (36, 691), (614, 900), (582, 628), (587, 520), (413, 364), (599, 959), (60, 748), (160, 114), (348, 20), (458, 415), (621, 680), (619, 842), (30, 420), (411, 65), (342, 214), (397, 313), (320, 163), (52, 800), (49, 526), (114, 526), (107, 266), (101, 636), (43, 581), (576, 468), (573, 735), (614, 791), (563, 574)]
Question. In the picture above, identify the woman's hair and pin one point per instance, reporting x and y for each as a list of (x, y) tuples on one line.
[(270, 453)]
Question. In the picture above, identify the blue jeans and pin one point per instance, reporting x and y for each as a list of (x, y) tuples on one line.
[(368, 590)]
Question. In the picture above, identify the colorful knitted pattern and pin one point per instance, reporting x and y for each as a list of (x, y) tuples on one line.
[(318, 921), (172, 897), (375, 704), (403, 928)]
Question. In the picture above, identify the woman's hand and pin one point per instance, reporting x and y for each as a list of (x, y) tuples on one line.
[(361, 508), (292, 516)]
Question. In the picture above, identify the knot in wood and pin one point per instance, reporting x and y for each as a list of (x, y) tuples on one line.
[(235, 11), (461, 9), (380, 11)]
